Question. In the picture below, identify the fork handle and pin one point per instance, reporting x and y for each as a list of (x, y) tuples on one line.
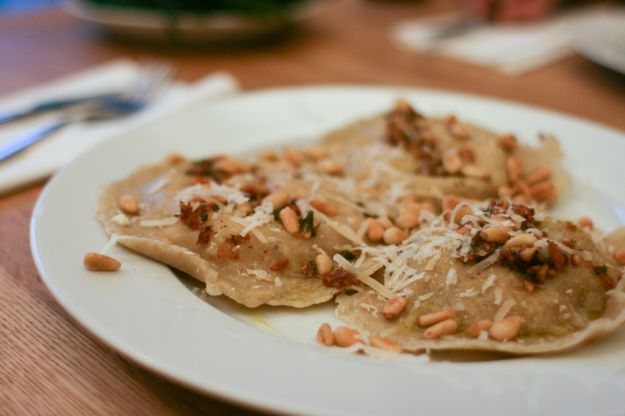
[(20, 143)]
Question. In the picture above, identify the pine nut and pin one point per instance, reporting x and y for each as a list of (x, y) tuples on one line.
[(585, 222), (543, 191), (478, 326), (450, 202), (408, 220), (460, 214), (278, 199), (430, 319), (228, 165), (506, 329), (619, 255), (558, 258), (514, 169), (289, 219), (386, 223), (325, 335), (521, 240), (346, 337), (323, 207), (324, 264), (293, 156), (539, 174), (101, 263), (394, 306), (394, 235), (129, 205), (496, 234), (316, 152), (506, 142), (375, 231), (576, 260), (384, 343), (174, 158), (330, 167), (527, 254), (440, 329)]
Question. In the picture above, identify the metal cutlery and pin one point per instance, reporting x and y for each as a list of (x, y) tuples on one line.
[(106, 107)]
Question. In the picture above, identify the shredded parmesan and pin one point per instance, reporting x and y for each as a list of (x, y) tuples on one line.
[(452, 277), (158, 185), (110, 244), (498, 295), (342, 229), (469, 293), (488, 283), (504, 309), (163, 222), (368, 280), (277, 282)]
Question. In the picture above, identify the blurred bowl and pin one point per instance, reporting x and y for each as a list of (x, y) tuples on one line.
[(190, 27)]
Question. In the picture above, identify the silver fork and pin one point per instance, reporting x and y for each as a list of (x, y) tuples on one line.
[(152, 79)]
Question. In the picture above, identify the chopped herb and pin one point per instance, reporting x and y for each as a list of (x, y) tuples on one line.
[(348, 255), (307, 224), (600, 270)]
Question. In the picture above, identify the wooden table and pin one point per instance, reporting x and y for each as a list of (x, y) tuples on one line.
[(48, 364)]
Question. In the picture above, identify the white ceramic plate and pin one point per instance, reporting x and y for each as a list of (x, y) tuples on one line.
[(148, 314), (601, 39)]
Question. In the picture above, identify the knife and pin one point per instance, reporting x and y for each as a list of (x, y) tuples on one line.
[(51, 105)]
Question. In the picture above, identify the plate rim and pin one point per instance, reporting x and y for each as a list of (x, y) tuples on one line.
[(229, 396)]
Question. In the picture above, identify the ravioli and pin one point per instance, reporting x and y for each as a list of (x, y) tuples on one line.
[(225, 232), (428, 232), (495, 277)]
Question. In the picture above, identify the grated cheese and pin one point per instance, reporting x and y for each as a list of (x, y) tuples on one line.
[(488, 283), (504, 309), (452, 277), (344, 230), (277, 282), (164, 222), (110, 244), (469, 293), (121, 219), (498, 295), (368, 280)]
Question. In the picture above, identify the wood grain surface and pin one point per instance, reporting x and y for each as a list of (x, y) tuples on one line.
[(48, 364)]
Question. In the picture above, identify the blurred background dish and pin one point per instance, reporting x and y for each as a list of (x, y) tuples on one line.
[(602, 39), (193, 20)]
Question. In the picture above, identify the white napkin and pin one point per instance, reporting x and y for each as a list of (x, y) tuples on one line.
[(44, 158), (511, 49)]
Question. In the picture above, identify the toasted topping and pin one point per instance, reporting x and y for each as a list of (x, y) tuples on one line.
[(585, 222), (278, 199), (539, 174), (477, 327), (293, 156), (394, 235), (325, 335), (435, 317), (375, 231), (323, 206), (446, 327), (100, 262), (506, 329), (340, 279), (323, 264), (496, 234), (289, 220), (619, 255), (394, 306), (507, 142), (521, 240), (384, 343), (346, 337), (129, 204)]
